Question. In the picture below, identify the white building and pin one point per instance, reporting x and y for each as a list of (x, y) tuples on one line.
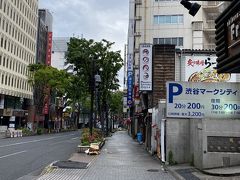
[(18, 32), (58, 54), (18, 38), (168, 22)]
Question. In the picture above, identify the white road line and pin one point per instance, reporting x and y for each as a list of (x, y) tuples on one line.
[(75, 138), (12, 154), (26, 142), (66, 140)]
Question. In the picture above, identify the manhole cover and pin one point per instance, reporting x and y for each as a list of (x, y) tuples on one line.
[(153, 170), (71, 165)]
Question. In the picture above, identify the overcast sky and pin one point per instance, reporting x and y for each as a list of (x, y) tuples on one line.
[(91, 19)]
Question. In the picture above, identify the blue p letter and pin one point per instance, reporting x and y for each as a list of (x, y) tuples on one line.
[(172, 93)]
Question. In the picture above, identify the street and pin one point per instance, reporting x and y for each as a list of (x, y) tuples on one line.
[(22, 156)]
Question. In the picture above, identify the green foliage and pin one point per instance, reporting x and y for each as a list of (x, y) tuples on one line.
[(40, 131), (86, 139), (88, 58), (26, 132), (49, 77), (116, 102)]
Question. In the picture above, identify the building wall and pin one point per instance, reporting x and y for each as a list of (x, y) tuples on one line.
[(188, 140), (58, 52), (178, 139), (220, 128), (18, 35)]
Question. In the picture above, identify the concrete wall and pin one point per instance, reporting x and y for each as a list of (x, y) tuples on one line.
[(187, 139), (178, 139), (221, 128), (196, 149)]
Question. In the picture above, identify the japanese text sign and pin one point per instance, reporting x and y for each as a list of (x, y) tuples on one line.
[(203, 100), (145, 67)]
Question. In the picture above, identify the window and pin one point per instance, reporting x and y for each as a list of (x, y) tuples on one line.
[(178, 41), (168, 19)]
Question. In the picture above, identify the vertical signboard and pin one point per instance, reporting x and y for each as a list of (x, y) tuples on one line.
[(203, 69), (49, 49), (145, 67), (130, 80)]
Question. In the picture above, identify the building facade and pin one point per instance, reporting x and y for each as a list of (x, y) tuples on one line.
[(18, 33), (181, 49), (58, 54)]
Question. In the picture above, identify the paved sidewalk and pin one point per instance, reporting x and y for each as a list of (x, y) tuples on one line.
[(121, 159), (187, 172)]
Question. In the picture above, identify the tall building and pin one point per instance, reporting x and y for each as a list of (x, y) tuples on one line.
[(18, 33), (167, 22), (45, 21), (40, 110)]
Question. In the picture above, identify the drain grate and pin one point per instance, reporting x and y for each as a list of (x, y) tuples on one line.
[(70, 165), (187, 173), (153, 170)]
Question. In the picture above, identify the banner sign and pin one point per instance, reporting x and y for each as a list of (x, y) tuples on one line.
[(49, 49), (129, 88), (145, 67), (203, 69), (130, 62), (203, 100)]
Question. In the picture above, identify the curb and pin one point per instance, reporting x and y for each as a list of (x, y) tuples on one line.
[(219, 175), (48, 169)]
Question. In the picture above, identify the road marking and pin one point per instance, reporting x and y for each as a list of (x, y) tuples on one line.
[(12, 154), (66, 140), (75, 138), (26, 142)]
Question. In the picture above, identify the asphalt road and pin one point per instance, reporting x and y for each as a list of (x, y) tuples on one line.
[(22, 156)]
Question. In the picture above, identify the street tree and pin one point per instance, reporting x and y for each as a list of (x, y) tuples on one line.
[(90, 58), (116, 105), (45, 81)]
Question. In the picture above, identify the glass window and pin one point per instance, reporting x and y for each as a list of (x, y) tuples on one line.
[(174, 41), (174, 19), (180, 19), (155, 19), (180, 41), (168, 41), (155, 41), (161, 19), (161, 40), (167, 19)]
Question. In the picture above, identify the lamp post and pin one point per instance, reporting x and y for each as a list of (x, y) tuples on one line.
[(92, 87), (94, 82)]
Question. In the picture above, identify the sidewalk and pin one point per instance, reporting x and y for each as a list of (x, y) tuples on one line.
[(121, 159), (187, 172)]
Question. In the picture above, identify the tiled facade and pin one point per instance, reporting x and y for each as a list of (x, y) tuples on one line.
[(18, 33)]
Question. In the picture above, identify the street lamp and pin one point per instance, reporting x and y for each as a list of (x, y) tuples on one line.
[(192, 7), (94, 82)]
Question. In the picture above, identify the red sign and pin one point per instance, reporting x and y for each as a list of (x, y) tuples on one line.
[(49, 49)]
